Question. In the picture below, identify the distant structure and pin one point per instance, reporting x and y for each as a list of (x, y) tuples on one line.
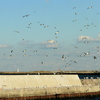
[(17, 69)]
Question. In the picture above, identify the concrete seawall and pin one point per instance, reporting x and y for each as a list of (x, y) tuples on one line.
[(22, 81), (90, 81), (42, 85), (47, 91)]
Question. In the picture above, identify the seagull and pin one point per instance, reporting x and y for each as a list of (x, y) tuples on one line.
[(41, 62), (11, 51), (24, 55), (79, 55), (56, 37), (29, 24), (24, 50), (46, 26), (95, 57), (29, 55), (46, 55), (86, 25), (75, 47), (54, 27), (90, 7), (68, 64), (74, 7), (35, 51), (55, 48), (80, 29), (25, 15), (73, 61), (28, 27), (16, 31), (56, 32), (86, 42), (86, 18), (74, 20), (34, 11), (86, 53), (62, 57), (41, 24), (75, 13), (67, 57)]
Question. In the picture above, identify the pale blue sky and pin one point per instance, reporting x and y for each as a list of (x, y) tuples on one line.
[(53, 28)]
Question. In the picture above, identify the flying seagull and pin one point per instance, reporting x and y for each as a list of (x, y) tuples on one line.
[(56, 32), (62, 57), (95, 57), (11, 51), (25, 15), (90, 7)]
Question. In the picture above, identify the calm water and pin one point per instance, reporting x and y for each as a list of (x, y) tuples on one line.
[(89, 76)]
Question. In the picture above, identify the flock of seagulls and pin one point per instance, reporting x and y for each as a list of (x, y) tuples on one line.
[(63, 57), (52, 41), (85, 40)]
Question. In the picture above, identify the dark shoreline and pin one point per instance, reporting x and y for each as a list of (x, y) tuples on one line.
[(51, 73)]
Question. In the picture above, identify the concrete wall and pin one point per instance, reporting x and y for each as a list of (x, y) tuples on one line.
[(37, 85), (90, 81), (22, 81), (21, 92)]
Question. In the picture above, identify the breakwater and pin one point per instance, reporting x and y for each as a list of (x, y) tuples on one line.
[(46, 86)]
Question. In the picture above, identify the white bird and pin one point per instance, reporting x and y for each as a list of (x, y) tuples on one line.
[(90, 7), (46, 26), (35, 51), (24, 50), (29, 24), (56, 32), (24, 55), (86, 53)]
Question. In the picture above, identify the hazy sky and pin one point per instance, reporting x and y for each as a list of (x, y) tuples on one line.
[(49, 35)]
